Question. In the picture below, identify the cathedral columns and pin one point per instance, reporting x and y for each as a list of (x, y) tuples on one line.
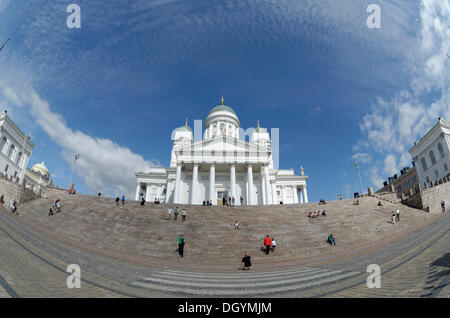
[(233, 181), (305, 194), (301, 195), (138, 190), (194, 184), (212, 184), (176, 196), (250, 184), (266, 179)]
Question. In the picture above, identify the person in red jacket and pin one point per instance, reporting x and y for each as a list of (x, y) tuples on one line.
[(268, 244)]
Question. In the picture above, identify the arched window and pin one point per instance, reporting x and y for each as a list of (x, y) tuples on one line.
[(11, 150), (3, 143), (445, 167), (19, 156), (424, 164), (432, 158), (436, 173), (441, 150)]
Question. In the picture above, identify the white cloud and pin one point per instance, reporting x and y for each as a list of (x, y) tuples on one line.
[(103, 164), (392, 126)]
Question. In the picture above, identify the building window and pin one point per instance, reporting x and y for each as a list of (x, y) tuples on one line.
[(6, 168), (15, 174), (428, 179), (432, 158), (436, 173), (414, 179), (278, 192), (441, 150), (10, 152), (445, 167), (18, 158), (424, 164), (3, 143)]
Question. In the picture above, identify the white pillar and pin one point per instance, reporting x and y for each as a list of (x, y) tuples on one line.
[(194, 184), (212, 183), (233, 181), (301, 195), (250, 184), (263, 186), (147, 193), (176, 196), (305, 194), (268, 192), (138, 189)]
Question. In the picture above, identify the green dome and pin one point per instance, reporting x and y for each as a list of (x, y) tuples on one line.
[(186, 128), (222, 108)]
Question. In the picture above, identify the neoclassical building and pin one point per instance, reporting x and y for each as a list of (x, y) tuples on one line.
[(431, 154), (222, 164), (15, 149)]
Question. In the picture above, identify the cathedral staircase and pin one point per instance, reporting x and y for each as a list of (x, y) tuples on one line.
[(127, 231)]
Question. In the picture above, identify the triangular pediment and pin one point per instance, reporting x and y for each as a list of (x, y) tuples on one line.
[(223, 143)]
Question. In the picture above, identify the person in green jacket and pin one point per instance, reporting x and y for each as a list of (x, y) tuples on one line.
[(181, 245)]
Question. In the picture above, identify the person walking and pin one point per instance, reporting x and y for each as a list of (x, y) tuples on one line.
[(183, 215), (443, 206), (397, 214), (236, 226), (142, 202), (123, 200), (393, 217), (58, 206), (224, 201), (233, 202), (175, 213), (117, 201), (268, 244), (181, 242), (169, 211), (14, 208), (242, 199)]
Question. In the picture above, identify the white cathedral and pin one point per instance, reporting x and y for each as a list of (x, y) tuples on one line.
[(222, 165)]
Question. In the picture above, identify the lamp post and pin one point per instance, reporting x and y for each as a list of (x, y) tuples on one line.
[(20, 164), (359, 176), (75, 158)]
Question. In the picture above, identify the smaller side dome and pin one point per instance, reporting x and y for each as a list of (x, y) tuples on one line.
[(41, 168)]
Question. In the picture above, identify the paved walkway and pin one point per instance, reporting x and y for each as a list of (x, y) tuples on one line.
[(33, 265)]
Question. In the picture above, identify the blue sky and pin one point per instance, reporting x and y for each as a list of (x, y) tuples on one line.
[(114, 89)]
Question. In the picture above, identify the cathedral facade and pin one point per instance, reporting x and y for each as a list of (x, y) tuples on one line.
[(222, 165)]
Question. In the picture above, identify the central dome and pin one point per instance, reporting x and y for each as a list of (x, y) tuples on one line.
[(222, 108)]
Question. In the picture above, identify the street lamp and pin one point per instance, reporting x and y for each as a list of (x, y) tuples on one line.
[(359, 176), (75, 158)]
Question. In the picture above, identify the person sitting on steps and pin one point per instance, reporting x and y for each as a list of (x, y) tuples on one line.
[(379, 203), (331, 240), (324, 213), (274, 244), (245, 262)]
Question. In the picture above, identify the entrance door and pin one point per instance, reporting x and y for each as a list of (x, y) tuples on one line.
[(220, 196)]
